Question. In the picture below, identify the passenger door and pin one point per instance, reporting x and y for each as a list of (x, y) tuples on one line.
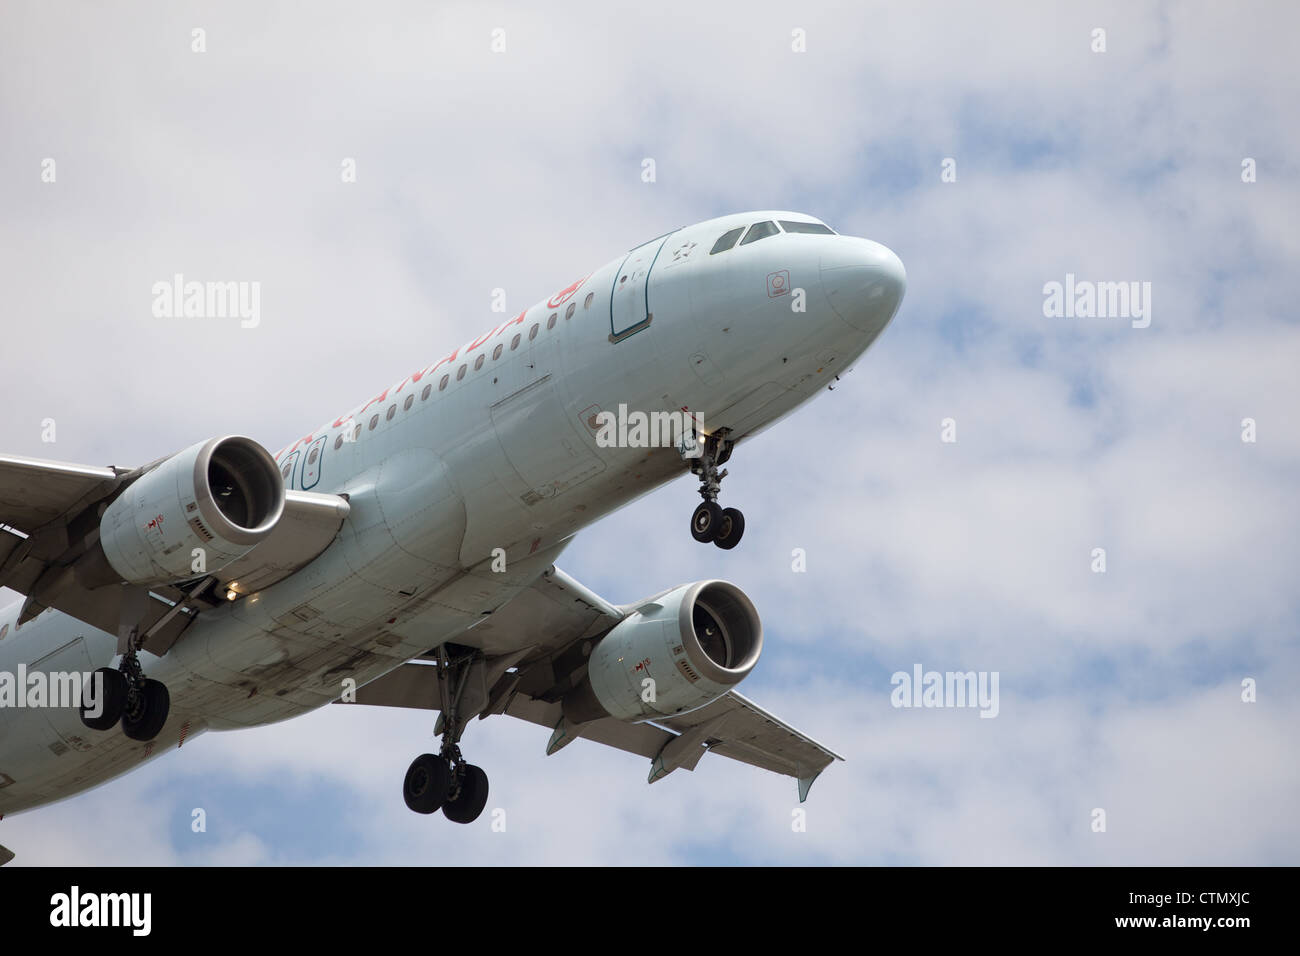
[(629, 301)]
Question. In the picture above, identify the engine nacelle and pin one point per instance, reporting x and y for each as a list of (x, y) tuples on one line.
[(674, 653), (223, 495)]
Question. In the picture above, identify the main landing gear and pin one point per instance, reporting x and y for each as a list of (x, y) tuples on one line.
[(126, 695), (712, 522), (444, 781)]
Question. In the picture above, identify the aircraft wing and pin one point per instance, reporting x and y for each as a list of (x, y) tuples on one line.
[(49, 517), (34, 493), (555, 614)]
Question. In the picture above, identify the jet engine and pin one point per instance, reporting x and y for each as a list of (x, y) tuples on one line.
[(675, 653), (194, 513)]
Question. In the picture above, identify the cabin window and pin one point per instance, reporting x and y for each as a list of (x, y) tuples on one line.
[(478, 362), (550, 323), (586, 303), (374, 421), (568, 313), (443, 384), (514, 343), (460, 372), (532, 333), (392, 410), (424, 395), (410, 400), (496, 352), (315, 453), (338, 442)]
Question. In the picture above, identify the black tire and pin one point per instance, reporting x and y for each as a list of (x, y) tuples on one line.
[(730, 529), (114, 699), (144, 719), (705, 521), (471, 799), (427, 781)]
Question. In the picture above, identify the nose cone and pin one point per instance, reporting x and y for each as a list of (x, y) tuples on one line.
[(864, 282)]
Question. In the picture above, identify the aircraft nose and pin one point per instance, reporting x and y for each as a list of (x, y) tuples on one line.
[(864, 282)]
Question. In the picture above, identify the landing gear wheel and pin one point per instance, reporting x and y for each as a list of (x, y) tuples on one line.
[(146, 710), (447, 781), (470, 800), (427, 781), (705, 521), (730, 529), (105, 692)]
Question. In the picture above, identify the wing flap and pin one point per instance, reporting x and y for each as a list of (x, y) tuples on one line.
[(645, 740), (754, 736), (411, 685)]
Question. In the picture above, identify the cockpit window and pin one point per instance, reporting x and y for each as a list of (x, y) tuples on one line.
[(760, 230), (814, 227), (726, 241)]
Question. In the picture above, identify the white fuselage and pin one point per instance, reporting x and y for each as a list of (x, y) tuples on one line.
[(503, 456)]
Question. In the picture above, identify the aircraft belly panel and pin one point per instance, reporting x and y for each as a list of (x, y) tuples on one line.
[(545, 453)]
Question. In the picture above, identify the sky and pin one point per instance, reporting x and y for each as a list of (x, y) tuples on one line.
[(1169, 157)]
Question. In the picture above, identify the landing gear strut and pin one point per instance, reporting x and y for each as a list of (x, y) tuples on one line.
[(126, 695), (710, 521), (445, 781)]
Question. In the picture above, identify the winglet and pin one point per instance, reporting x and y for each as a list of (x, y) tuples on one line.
[(805, 784)]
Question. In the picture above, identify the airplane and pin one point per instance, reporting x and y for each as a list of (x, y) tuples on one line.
[(403, 554)]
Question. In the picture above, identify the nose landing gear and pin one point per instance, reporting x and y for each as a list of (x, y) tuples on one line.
[(710, 521)]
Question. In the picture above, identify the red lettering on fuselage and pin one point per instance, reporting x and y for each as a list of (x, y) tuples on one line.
[(563, 295), (436, 365), (497, 331), (558, 299), (481, 339), (382, 395), (300, 441)]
